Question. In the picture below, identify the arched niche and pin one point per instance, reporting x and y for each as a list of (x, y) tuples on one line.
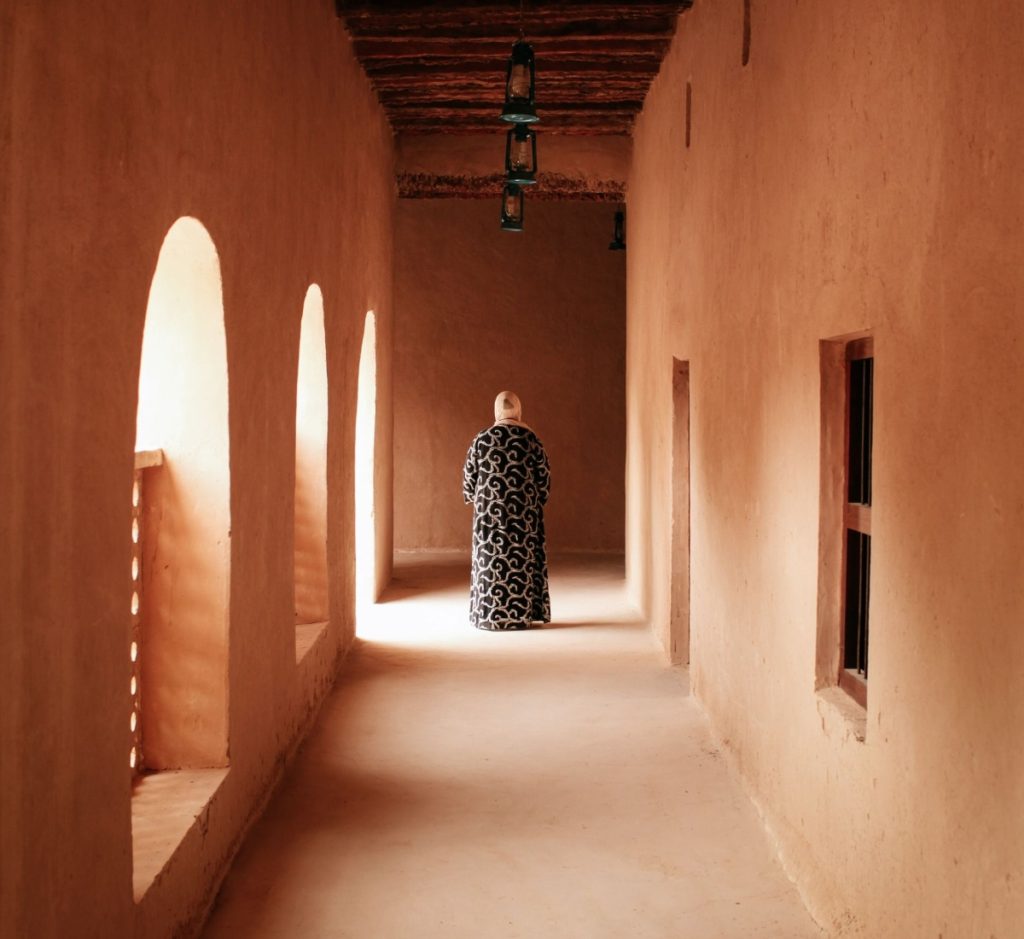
[(186, 522), (311, 582), (365, 463)]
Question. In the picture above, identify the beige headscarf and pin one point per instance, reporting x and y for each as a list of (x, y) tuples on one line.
[(508, 409)]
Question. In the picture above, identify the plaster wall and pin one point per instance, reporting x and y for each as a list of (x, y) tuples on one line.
[(117, 119), (540, 312), (862, 172)]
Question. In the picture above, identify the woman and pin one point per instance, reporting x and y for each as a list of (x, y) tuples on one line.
[(506, 479)]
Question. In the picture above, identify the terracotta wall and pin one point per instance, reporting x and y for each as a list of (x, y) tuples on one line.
[(540, 312), (117, 119), (862, 172)]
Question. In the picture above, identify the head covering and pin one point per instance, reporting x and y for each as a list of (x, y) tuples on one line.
[(507, 406)]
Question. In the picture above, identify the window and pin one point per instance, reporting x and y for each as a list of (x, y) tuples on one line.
[(180, 533), (185, 523), (146, 463), (860, 370), (844, 589)]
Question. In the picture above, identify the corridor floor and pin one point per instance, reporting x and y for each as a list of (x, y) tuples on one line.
[(557, 782)]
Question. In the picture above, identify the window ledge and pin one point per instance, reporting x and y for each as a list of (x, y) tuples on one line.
[(306, 636), (147, 458), (841, 716), (165, 808)]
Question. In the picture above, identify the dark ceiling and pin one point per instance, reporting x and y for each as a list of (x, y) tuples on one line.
[(439, 67)]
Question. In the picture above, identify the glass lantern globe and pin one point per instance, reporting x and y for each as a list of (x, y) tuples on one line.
[(521, 155), (512, 208), (520, 78)]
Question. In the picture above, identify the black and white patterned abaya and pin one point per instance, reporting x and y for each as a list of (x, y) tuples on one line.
[(506, 478)]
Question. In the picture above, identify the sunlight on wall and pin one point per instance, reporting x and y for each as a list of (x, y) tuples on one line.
[(311, 592), (183, 410), (366, 421)]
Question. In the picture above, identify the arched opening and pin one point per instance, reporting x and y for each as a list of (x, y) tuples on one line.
[(365, 463), (311, 583), (181, 513)]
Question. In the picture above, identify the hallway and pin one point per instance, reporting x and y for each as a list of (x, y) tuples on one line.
[(550, 783)]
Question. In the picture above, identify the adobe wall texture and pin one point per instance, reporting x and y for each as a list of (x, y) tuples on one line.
[(863, 171), (118, 119), (540, 312)]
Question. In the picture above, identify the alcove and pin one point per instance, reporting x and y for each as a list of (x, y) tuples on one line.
[(180, 529), (365, 443), (311, 581)]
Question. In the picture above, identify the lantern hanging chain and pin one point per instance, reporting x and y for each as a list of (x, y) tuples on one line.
[(522, 32)]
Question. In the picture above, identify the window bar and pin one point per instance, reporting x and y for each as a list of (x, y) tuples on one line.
[(862, 643), (859, 609), (869, 424)]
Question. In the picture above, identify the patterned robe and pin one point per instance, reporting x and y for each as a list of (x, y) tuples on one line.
[(506, 478)]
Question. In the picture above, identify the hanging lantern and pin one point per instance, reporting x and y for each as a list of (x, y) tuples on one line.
[(619, 238), (512, 208), (519, 86), (521, 155)]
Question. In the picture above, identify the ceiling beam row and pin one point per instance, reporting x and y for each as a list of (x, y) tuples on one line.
[(438, 66)]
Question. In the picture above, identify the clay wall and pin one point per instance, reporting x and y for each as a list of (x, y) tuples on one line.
[(862, 172), (117, 120), (540, 312)]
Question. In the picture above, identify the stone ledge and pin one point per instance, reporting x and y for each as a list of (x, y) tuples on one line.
[(166, 806)]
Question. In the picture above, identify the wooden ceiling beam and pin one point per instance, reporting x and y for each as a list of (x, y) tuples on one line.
[(426, 71), (491, 9), (543, 33), (585, 124), (536, 8), (487, 109), (590, 47), (567, 88)]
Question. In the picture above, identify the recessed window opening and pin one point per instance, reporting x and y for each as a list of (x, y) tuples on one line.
[(365, 463), (146, 463), (689, 112), (311, 580), (746, 32), (844, 542), (679, 623), (180, 525), (860, 370)]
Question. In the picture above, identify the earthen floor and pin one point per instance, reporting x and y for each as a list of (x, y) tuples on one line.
[(557, 782)]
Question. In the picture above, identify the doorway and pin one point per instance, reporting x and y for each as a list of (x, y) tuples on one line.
[(679, 615)]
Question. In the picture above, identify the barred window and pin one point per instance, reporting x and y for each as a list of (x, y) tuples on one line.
[(146, 462), (860, 372), (844, 574)]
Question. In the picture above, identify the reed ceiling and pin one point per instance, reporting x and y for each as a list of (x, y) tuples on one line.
[(439, 67)]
